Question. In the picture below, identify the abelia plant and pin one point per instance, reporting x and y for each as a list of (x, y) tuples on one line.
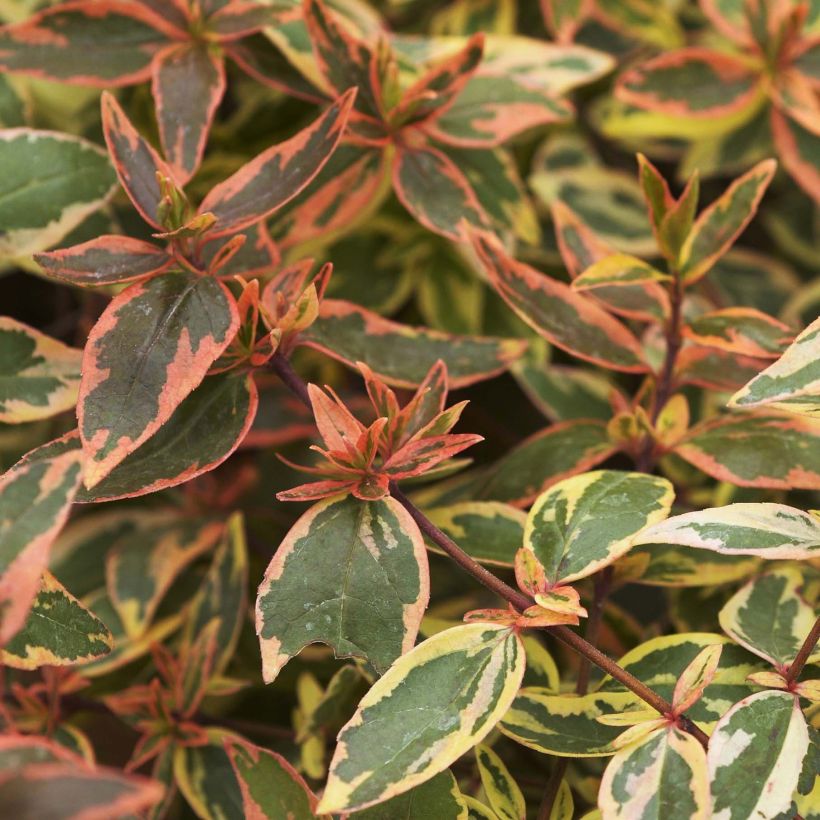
[(584, 587)]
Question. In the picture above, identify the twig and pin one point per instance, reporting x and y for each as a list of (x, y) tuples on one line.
[(803, 655)]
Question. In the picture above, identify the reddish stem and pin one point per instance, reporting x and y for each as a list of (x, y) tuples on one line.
[(803, 655)]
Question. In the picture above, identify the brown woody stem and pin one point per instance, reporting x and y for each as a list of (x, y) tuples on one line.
[(803, 655), (520, 601)]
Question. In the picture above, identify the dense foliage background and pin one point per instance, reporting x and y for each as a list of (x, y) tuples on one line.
[(528, 289)]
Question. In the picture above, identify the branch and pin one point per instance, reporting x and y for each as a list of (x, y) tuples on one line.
[(803, 655), (520, 601)]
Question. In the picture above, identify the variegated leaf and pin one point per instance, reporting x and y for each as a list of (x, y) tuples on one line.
[(770, 616), (489, 531), (438, 797), (203, 431), (277, 175), (206, 777), (691, 82), (106, 260), (562, 316), (664, 776), (126, 650), (222, 594), (740, 330), (58, 631), (141, 567), (792, 383), (494, 177), (696, 677), (344, 192), (188, 83), (675, 566), (150, 348), (462, 680), (755, 754), (35, 497), (566, 725), (724, 220), (84, 42), (501, 790), (402, 355), (50, 183), (39, 376), (618, 269), (436, 192), (271, 788), (492, 108), (545, 458), (797, 149), (757, 450), (42, 782), (138, 165), (766, 530), (661, 662), (352, 574), (344, 60), (586, 522)]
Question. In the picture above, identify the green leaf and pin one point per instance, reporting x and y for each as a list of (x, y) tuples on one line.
[(58, 631), (277, 175), (770, 617), (352, 574), (439, 797), (150, 348), (432, 705), (140, 567), (88, 43), (35, 498), (724, 220), (488, 531), (766, 530), (501, 790), (586, 522), (755, 755), (271, 787), (665, 776), (402, 355), (50, 183), (566, 725), (206, 778), (553, 309), (204, 430), (39, 376), (436, 192), (544, 458), (792, 383), (757, 450)]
